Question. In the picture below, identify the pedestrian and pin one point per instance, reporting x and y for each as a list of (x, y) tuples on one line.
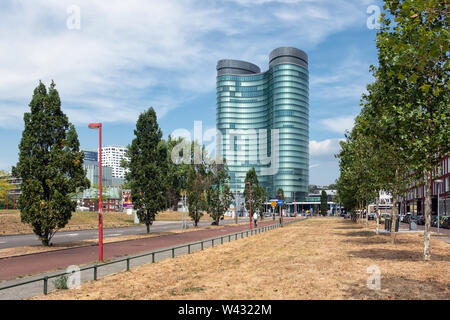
[(255, 219)]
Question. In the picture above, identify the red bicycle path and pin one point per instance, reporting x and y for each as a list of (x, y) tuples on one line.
[(32, 264)]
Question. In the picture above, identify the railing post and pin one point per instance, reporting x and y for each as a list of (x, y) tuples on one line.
[(153, 257), (173, 252), (202, 245), (212, 242), (189, 249), (221, 240), (95, 272), (45, 284), (229, 237), (128, 264)]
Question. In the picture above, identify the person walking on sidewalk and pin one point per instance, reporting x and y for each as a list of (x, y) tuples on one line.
[(255, 219)]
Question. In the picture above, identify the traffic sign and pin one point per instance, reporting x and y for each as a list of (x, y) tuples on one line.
[(279, 202), (273, 203)]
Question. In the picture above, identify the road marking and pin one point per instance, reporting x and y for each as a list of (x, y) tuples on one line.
[(69, 235), (2, 241), (114, 234)]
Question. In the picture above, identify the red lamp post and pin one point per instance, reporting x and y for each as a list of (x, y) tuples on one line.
[(250, 191), (281, 197), (100, 203)]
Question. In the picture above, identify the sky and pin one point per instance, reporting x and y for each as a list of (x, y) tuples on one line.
[(112, 60)]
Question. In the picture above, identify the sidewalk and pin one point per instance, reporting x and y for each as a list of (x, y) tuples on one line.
[(36, 264)]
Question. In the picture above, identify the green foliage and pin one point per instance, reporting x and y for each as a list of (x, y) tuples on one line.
[(259, 195), (177, 173), (403, 129), (5, 186), (218, 193), (196, 192), (50, 165), (61, 282), (148, 167)]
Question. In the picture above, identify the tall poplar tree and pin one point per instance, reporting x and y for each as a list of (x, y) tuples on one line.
[(148, 167), (50, 165)]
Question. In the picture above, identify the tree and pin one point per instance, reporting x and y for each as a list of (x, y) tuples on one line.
[(280, 195), (196, 194), (177, 173), (5, 186), (148, 168), (414, 63), (50, 165), (259, 195), (324, 203), (218, 193)]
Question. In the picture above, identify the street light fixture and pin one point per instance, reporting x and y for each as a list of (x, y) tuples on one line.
[(98, 126), (250, 191), (438, 181)]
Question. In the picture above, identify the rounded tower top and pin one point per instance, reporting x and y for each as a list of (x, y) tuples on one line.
[(228, 66), (288, 55)]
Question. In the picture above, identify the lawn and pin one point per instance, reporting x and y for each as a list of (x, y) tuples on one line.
[(10, 220), (320, 258)]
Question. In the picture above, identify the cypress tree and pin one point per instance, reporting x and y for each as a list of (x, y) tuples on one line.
[(50, 165), (148, 168)]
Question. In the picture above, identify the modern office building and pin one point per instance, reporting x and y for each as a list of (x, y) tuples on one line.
[(90, 155), (262, 118), (112, 157)]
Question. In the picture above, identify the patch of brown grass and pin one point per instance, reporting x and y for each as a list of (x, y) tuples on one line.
[(323, 258), (10, 222), (18, 251)]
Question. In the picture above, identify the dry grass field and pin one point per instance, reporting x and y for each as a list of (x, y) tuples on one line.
[(10, 221), (320, 258)]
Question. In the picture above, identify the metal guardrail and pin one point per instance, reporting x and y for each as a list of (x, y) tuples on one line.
[(153, 253)]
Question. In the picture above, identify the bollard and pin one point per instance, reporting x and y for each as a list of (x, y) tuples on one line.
[(45, 285)]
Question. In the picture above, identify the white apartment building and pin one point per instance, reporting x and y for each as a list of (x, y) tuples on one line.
[(111, 157)]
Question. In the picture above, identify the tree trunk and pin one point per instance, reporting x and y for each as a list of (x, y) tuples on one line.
[(394, 218), (377, 212), (367, 215), (427, 231), (148, 227)]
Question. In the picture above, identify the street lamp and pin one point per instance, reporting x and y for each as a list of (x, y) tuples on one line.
[(250, 191), (438, 181), (281, 197), (98, 126)]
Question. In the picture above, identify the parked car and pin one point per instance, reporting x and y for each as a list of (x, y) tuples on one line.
[(407, 218), (371, 216), (421, 220), (445, 222), (434, 221), (385, 216)]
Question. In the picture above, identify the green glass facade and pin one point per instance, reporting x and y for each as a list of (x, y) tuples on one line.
[(250, 102)]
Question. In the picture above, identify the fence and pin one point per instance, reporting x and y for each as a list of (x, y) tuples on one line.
[(154, 253)]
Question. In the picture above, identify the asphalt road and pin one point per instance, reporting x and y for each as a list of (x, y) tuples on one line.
[(11, 241)]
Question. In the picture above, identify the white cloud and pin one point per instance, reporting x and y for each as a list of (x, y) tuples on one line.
[(129, 55), (339, 124), (324, 149)]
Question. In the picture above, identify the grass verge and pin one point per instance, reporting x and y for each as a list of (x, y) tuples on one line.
[(320, 258)]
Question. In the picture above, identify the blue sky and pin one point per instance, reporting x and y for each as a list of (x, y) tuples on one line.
[(129, 55)]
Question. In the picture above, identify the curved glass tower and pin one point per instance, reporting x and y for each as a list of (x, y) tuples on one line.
[(263, 121)]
